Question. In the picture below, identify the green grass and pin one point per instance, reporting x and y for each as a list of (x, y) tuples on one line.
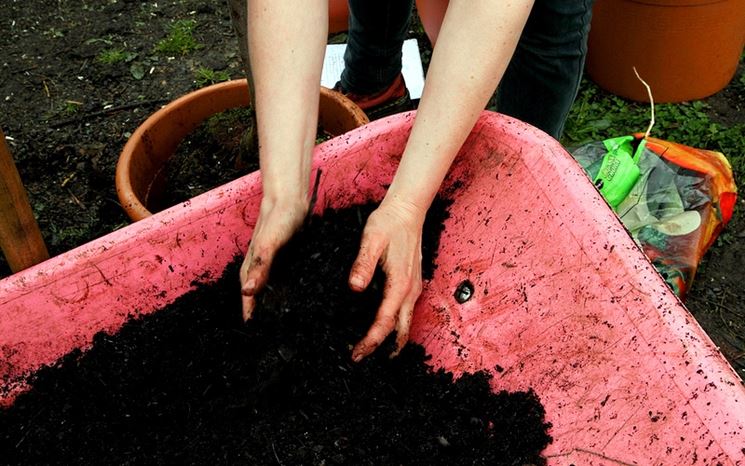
[(70, 107), (66, 235), (62, 109), (54, 33), (115, 55), (180, 39), (206, 76), (597, 115)]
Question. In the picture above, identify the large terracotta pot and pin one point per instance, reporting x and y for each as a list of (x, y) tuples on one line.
[(140, 171), (684, 49)]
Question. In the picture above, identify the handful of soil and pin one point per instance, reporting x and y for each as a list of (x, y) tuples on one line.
[(193, 384)]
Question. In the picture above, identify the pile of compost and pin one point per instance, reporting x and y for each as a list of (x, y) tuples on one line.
[(193, 383)]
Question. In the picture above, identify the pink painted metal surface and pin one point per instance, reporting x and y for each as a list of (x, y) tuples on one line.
[(564, 303)]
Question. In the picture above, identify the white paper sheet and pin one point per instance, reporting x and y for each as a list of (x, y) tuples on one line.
[(333, 64)]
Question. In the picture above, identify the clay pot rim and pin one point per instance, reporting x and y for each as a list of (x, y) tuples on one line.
[(129, 200)]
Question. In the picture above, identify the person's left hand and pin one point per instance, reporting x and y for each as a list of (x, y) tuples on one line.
[(392, 238)]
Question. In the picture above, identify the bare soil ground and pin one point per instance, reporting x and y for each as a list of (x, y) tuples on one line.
[(67, 114)]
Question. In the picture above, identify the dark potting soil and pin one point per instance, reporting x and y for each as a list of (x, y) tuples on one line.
[(210, 156), (207, 158), (193, 384)]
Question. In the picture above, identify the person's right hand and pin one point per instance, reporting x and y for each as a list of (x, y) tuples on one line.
[(277, 222), (392, 239)]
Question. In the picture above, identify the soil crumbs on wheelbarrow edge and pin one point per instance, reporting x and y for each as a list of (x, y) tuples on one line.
[(193, 384)]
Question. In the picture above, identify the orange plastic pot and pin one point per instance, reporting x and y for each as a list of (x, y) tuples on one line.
[(684, 49), (140, 171)]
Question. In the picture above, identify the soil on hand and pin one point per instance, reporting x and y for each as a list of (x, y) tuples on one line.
[(193, 384)]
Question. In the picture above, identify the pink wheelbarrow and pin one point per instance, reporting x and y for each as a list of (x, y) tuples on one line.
[(559, 298)]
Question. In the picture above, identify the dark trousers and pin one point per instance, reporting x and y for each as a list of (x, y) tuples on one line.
[(541, 81)]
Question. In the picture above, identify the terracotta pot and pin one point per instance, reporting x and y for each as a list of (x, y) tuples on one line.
[(338, 16), (140, 171), (684, 49), (431, 14)]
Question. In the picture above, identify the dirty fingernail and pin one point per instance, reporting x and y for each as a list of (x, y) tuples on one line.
[(357, 355), (356, 281), (250, 285)]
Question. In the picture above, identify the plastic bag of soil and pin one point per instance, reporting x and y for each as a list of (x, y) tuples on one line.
[(673, 199)]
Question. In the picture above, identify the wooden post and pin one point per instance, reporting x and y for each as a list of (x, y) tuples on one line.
[(20, 238)]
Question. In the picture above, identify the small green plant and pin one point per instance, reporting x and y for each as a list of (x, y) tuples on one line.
[(54, 32), (725, 239), (102, 40), (71, 107), (205, 76), (115, 55), (180, 39), (231, 121), (67, 235), (338, 38)]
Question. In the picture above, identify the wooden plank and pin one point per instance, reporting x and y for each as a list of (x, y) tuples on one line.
[(20, 238)]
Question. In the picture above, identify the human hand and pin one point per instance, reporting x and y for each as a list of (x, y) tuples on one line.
[(392, 238), (277, 222)]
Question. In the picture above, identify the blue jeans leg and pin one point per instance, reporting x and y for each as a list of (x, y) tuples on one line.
[(377, 30), (542, 80)]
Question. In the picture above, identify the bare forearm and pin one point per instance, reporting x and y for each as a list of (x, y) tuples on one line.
[(476, 42), (286, 43)]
